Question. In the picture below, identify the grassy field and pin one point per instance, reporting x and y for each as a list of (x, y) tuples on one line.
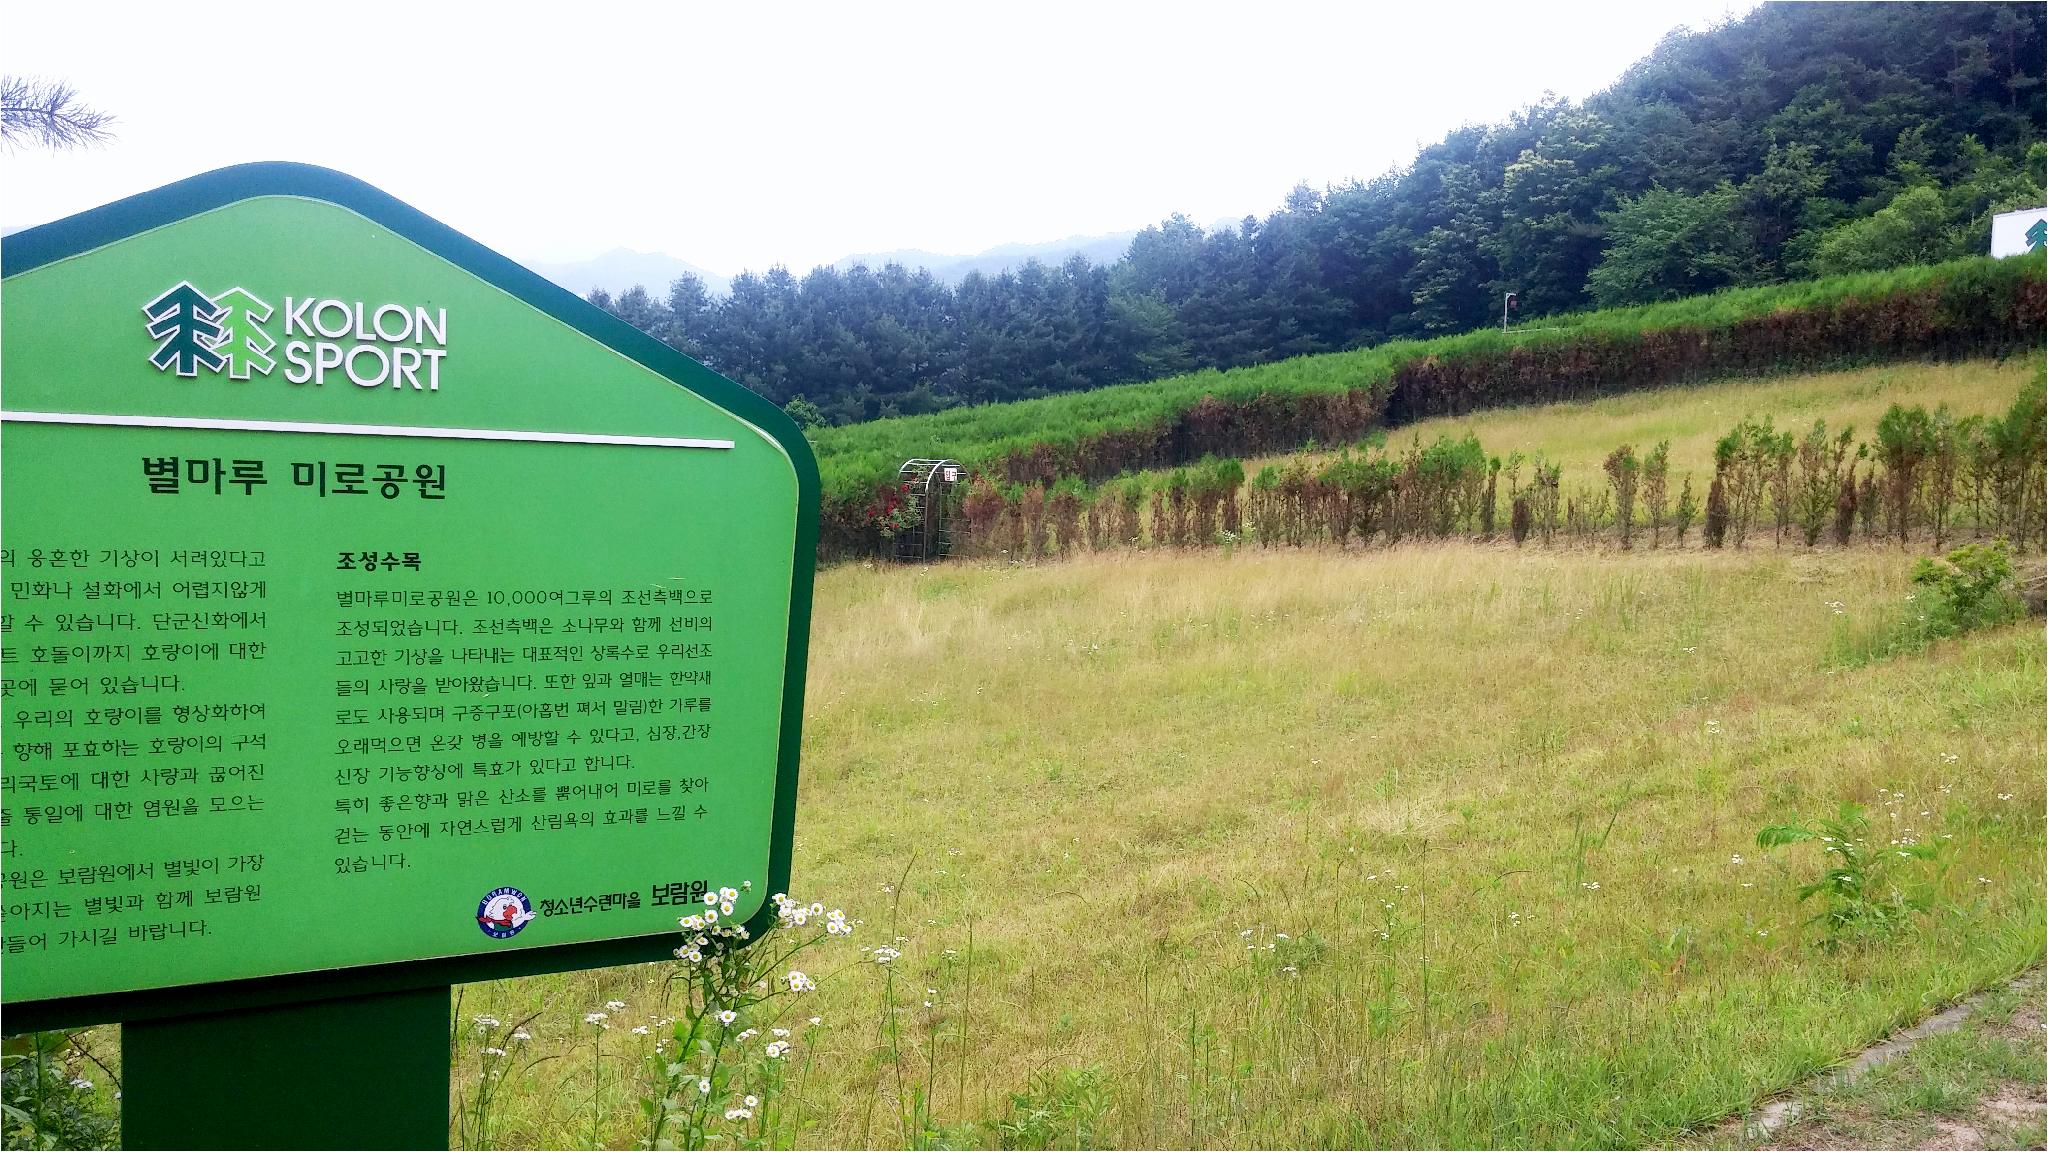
[(1579, 436), (1443, 846)]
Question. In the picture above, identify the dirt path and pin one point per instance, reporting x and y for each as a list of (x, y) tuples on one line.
[(1968, 1078)]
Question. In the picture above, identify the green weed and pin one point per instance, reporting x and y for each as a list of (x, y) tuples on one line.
[(1969, 589), (1061, 1108), (1866, 891), (46, 1101)]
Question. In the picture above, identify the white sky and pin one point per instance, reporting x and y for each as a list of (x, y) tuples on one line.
[(738, 135)]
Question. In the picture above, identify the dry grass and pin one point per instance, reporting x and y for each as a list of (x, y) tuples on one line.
[(1116, 782), (1580, 435)]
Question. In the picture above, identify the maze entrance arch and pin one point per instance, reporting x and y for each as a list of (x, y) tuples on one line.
[(931, 504)]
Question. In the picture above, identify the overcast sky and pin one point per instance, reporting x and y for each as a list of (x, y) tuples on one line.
[(737, 135)]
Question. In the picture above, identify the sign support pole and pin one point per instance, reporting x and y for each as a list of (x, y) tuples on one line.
[(366, 1072)]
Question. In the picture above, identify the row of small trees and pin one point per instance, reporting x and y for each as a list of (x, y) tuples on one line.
[(1924, 473)]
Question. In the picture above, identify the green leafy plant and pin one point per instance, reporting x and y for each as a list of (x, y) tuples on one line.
[(1905, 439), (1545, 485), (1686, 511), (806, 414), (1624, 472), (1059, 1109), (1752, 458), (1969, 588), (1716, 527), (1819, 490), (1863, 887), (46, 1102), (1656, 478)]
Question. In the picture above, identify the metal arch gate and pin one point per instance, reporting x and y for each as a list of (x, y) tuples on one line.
[(930, 507)]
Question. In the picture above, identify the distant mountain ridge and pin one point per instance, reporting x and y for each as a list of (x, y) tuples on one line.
[(1105, 249), (621, 268)]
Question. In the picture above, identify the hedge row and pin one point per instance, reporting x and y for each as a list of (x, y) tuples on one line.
[(1936, 476), (1963, 309)]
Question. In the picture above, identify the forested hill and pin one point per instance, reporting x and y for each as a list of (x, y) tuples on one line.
[(1805, 139)]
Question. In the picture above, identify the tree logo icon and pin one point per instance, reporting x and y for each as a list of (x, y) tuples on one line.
[(217, 333), (187, 321), (246, 346)]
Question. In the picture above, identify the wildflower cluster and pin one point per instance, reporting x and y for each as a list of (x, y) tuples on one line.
[(715, 1078), (704, 930), (798, 915)]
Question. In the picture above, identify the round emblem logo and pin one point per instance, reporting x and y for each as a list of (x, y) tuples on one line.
[(503, 912)]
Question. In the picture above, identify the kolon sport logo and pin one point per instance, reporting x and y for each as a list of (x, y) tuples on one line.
[(230, 333)]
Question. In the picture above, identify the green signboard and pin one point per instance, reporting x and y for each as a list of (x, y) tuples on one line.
[(376, 614)]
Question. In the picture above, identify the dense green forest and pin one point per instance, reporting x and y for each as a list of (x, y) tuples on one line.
[(1803, 140)]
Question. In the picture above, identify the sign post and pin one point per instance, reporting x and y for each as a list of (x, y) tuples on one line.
[(376, 616), (364, 1072)]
